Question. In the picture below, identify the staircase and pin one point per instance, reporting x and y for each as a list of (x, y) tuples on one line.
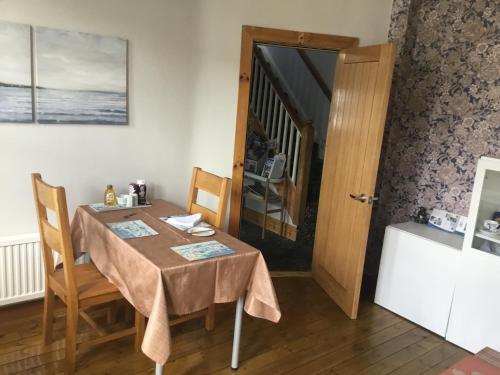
[(274, 113)]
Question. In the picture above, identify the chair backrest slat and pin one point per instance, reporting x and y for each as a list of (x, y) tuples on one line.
[(208, 182), (218, 186), (47, 195), (208, 215), (52, 238)]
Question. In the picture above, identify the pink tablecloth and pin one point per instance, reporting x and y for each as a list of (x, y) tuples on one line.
[(158, 281)]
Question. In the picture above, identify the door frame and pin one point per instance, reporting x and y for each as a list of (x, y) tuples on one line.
[(249, 36)]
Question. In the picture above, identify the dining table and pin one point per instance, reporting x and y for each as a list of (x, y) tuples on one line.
[(159, 282)]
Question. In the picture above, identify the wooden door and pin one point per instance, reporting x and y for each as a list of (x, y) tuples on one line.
[(355, 130)]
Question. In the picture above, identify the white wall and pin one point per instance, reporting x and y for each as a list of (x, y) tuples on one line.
[(85, 158), (184, 61)]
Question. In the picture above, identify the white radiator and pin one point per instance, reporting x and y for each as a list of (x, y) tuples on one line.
[(21, 269), (22, 276)]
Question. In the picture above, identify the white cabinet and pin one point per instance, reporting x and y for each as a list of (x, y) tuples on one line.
[(426, 278), (475, 314), (417, 274)]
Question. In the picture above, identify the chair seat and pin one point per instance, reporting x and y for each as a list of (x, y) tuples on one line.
[(90, 282)]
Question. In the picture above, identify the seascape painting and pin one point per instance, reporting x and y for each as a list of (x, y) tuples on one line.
[(16, 104), (80, 78)]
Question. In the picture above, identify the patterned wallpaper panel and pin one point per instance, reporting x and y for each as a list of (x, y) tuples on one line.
[(444, 109)]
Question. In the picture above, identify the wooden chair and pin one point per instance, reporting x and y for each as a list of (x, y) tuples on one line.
[(78, 286), (218, 186)]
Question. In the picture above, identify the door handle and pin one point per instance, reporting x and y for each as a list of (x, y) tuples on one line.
[(361, 197)]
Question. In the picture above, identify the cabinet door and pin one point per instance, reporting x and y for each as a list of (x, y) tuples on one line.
[(417, 277), (475, 313), (484, 204)]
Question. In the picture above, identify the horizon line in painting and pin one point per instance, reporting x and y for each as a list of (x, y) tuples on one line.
[(16, 88), (81, 78)]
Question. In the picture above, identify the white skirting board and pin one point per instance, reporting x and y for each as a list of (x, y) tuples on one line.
[(22, 275)]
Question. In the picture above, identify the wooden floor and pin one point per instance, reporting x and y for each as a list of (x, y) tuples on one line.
[(313, 337)]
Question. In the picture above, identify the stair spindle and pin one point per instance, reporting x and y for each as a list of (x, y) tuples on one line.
[(269, 108), (259, 91), (296, 157), (285, 132), (275, 113), (290, 149), (265, 101), (256, 71), (280, 125)]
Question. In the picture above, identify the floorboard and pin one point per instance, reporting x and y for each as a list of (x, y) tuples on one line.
[(313, 337)]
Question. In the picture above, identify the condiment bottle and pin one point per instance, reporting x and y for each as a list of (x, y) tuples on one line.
[(142, 192), (109, 196)]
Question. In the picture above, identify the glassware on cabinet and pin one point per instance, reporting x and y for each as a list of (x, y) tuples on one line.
[(486, 237)]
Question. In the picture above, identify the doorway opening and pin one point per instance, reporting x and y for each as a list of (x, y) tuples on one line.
[(252, 35), (289, 105), (359, 103)]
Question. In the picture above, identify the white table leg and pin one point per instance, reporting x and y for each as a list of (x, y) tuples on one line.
[(236, 338), (159, 369), (237, 332)]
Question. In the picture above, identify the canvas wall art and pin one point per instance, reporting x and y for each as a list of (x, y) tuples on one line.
[(80, 78), (16, 103)]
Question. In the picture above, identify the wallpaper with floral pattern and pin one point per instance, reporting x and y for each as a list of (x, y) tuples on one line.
[(444, 109)]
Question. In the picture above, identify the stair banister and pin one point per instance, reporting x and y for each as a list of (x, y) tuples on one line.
[(263, 65), (278, 120)]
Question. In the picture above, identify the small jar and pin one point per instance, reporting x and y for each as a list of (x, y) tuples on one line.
[(109, 196)]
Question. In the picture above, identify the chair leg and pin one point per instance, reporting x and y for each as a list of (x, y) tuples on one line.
[(48, 316), (71, 331), (210, 318), (140, 326), (111, 313), (129, 313)]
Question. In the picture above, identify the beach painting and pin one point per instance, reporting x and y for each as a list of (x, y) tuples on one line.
[(16, 104), (81, 78)]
